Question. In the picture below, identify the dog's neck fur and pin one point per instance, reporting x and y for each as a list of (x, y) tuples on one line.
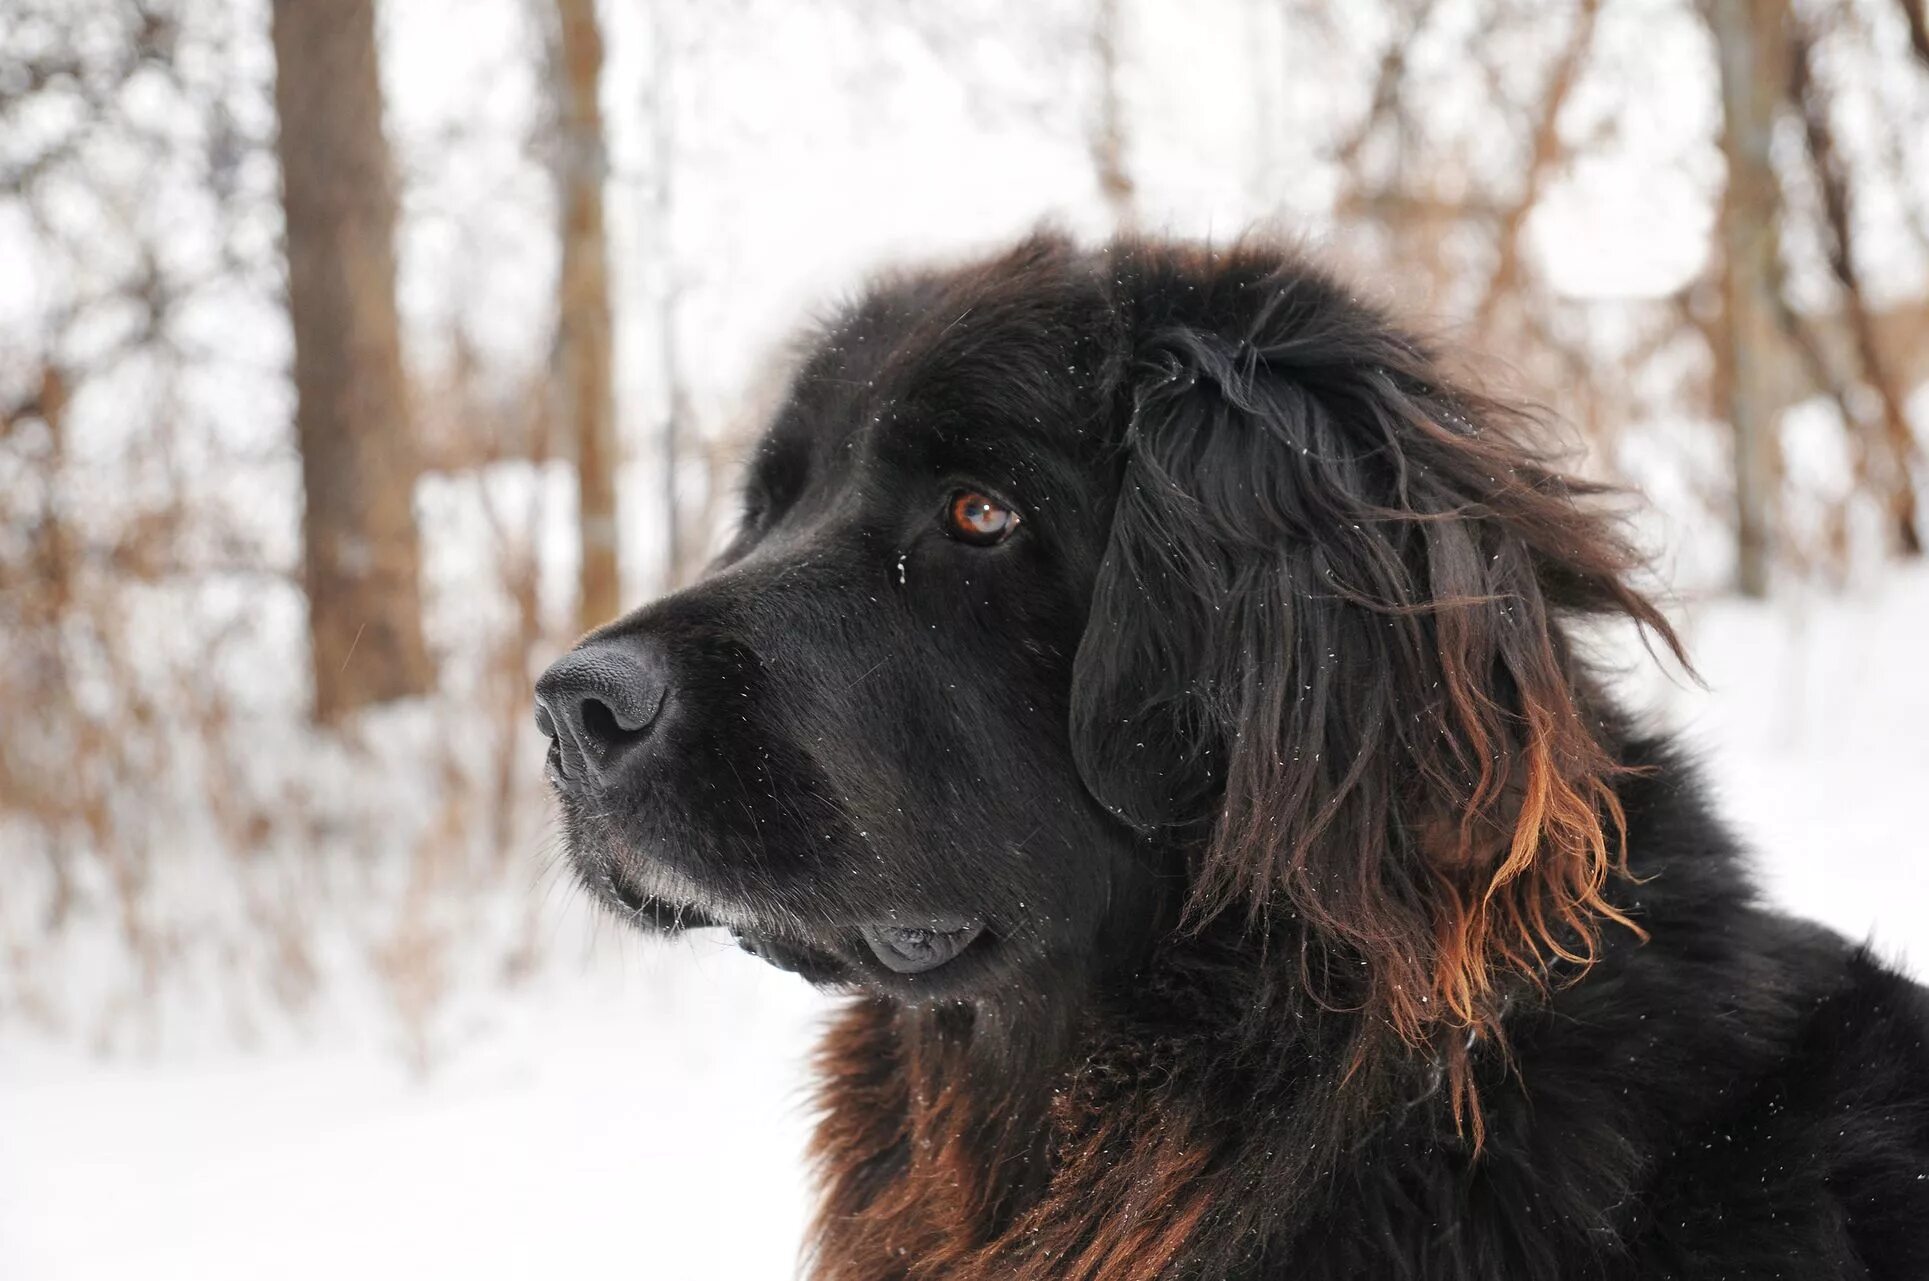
[(1195, 1116), (1108, 1148)]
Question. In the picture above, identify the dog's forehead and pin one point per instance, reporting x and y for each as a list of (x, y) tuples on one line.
[(974, 356)]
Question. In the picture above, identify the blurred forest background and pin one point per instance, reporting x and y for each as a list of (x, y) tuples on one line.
[(354, 358)]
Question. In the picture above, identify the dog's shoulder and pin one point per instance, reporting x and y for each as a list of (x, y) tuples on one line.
[(1868, 1038), (1865, 1059), (1822, 1151)]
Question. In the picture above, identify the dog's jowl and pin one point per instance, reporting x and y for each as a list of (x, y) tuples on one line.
[(1143, 680)]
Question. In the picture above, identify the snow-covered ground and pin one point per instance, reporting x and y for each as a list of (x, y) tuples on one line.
[(642, 1116), (642, 1113)]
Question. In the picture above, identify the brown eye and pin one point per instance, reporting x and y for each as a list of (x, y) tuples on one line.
[(978, 519)]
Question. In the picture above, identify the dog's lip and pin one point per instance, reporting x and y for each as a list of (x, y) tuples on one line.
[(913, 947), (906, 943)]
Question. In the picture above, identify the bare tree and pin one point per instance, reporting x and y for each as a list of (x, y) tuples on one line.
[(583, 342), (1915, 14), (1545, 157), (660, 106), (1751, 47), (361, 560), (1894, 441), (1107, 140)]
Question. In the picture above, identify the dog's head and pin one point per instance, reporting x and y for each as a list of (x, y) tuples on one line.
[(1083, 597)]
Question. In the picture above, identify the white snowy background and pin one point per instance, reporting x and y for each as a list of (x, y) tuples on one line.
[(634, 1108)]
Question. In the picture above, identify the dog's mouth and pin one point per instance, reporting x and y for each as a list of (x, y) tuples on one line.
[(901, 949), (910, 944)]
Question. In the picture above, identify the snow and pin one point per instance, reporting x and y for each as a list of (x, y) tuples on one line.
[(1815, 734), (645, 1110), (601, 1122)]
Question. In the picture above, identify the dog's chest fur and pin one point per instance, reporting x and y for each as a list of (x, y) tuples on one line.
[(931, 1170), (1648, 1122)]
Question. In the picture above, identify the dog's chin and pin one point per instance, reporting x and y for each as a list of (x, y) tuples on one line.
[(923, 947)]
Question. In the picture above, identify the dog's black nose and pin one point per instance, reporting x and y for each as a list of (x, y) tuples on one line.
[(599, 702)]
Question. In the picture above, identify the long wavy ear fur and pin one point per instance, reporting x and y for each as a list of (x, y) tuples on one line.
[(1326, 645)]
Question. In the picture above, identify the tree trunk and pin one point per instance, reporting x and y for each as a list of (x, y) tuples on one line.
[(361, 560), (660, 106), (583, 311), (1751, 49), (1107, 141), (1915, 16)]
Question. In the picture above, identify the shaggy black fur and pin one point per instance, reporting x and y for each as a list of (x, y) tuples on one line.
[(1227, 853)]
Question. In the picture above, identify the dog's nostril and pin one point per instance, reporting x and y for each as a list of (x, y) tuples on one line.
[(607, 727)]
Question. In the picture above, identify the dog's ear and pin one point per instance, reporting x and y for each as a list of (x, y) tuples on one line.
[(1325, 648)]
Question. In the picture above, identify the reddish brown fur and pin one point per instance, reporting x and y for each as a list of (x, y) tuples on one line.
[(948, 1210)]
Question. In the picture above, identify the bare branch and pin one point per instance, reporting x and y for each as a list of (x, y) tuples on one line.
[(1810, 98), (1915, 14), (1546, 155), (1387, 84)]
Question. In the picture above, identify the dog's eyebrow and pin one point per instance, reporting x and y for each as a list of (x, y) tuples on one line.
[(779, 463), (954, 440)]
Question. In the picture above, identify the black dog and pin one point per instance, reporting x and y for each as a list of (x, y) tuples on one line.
[(1143, 677)]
